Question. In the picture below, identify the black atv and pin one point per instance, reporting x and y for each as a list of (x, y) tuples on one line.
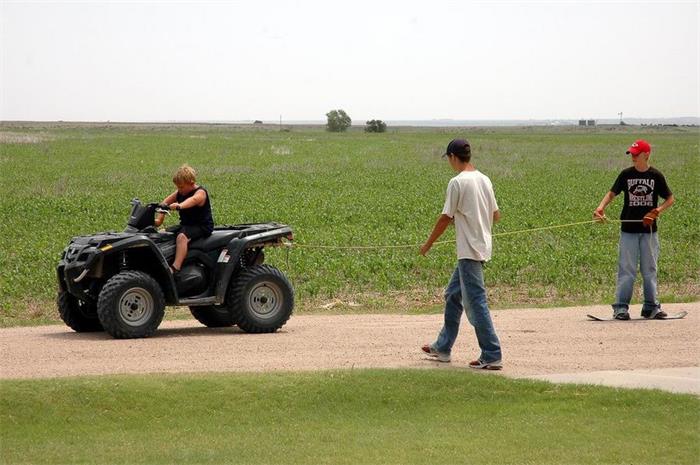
[(121, 282)]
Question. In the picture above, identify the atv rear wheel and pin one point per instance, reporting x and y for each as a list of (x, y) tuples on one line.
[(79, 315), (262, 299), (131, 305), (213, 316)]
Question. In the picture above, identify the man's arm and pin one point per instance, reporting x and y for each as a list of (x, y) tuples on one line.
[(599, 212), (654, 213), (667, 203), (440, 225)]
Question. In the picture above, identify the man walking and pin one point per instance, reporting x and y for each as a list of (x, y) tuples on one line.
[(639, 244), (471, 204)]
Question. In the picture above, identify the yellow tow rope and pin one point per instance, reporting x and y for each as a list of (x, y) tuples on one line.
[(404, 246)]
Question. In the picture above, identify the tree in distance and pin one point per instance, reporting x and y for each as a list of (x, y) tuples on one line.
[(375, 125), (338, 121)]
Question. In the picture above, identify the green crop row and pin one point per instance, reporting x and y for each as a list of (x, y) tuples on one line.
[(350, 189)]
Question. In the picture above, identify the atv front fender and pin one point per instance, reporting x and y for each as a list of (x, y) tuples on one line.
[(165, 277), (73, 276)]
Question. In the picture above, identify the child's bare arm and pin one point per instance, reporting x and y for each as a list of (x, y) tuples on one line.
[(160, 217), (170, 199), (196, 200)]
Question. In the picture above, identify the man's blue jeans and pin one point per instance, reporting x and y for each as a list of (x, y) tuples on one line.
[(642, 249), (466, 291)]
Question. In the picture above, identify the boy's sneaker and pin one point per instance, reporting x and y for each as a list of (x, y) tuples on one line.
[(439, 356), (481, 365), (656, 314), (622, 316)]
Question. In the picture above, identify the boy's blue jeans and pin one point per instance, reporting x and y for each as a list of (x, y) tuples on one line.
[(642, 249), (466, 291)]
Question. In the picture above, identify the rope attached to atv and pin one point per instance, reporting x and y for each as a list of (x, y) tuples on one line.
[(605, 219)]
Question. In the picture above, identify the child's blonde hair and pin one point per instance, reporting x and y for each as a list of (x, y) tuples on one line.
[(185, 175)]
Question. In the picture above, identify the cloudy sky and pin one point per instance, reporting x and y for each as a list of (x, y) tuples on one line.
[(393, 60)]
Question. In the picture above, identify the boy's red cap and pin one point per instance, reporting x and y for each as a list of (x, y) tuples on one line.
[(640, 146)]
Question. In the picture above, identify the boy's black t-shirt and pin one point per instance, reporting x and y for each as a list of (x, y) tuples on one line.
[(196, 216), (642, 191)]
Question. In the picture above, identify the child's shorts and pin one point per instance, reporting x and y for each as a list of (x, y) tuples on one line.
[(193, 232)]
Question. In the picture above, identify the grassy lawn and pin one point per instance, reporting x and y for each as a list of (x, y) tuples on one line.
[(350, 189), (348, 417), (346, 189)]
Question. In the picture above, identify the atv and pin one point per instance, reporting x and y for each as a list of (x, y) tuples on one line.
[(120, 282)]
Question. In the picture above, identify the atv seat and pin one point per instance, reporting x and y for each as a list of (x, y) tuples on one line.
[(217, 240)]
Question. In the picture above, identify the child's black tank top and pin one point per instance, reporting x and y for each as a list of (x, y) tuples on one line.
[(196, 216)]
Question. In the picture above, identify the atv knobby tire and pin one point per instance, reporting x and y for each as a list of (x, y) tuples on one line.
[(261, 299), (79, 315), (131, 305), (213, 316)]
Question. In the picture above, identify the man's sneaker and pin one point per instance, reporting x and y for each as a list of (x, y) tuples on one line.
[(439, 356), (622, 316), (481, 365), (656, 314)]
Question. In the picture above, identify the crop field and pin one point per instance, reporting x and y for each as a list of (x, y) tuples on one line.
[(349, 189)]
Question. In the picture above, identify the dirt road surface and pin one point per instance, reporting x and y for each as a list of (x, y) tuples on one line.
[(535, 341)]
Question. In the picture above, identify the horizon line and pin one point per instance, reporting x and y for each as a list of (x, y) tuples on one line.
[(686, 120)]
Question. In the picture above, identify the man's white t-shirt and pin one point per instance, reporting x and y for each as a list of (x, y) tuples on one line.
[(471, 202)]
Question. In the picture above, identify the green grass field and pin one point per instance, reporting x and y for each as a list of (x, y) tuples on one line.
[(345, 189), (341, 417), (349, 189)]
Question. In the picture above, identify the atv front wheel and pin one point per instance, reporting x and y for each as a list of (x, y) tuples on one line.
[(79, 315), (262, 299), (131, 305), (213, 316)]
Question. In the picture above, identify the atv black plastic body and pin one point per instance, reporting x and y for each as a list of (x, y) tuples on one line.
[(208, 275)]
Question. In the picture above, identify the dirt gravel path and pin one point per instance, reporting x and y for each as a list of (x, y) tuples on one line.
[(535, 341)]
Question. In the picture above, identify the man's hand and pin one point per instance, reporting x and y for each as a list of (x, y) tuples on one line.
[(599, 214), (424, 249), (174, 206), (649, 218)]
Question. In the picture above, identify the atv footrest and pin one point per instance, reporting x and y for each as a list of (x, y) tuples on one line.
[(195, 302)]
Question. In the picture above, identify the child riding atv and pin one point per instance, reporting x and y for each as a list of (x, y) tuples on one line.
[(196, 220), (120, 282)]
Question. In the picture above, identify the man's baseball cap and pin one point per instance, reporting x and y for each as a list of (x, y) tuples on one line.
[(640, 146), (458, 147)]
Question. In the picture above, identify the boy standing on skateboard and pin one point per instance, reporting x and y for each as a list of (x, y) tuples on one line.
[(639, 244)]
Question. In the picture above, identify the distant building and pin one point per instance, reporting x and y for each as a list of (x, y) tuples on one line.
[(582, 122), (586, 122), (590, 122)]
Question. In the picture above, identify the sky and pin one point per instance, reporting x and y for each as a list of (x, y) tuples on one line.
[(389, 60)]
